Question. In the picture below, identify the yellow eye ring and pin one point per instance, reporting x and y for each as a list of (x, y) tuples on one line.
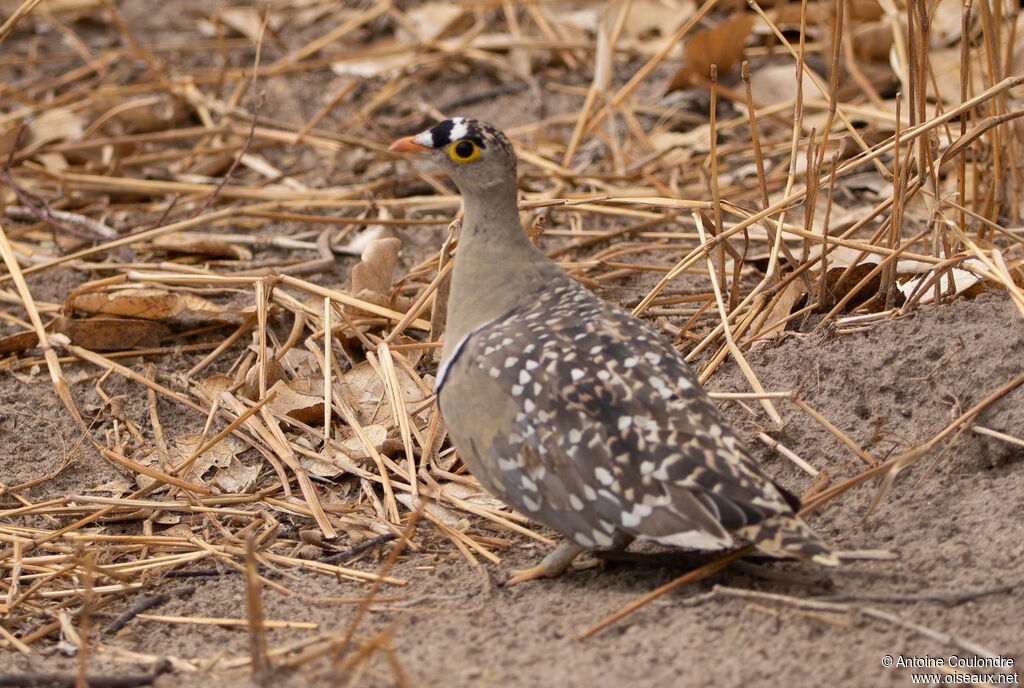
[(463, 150)]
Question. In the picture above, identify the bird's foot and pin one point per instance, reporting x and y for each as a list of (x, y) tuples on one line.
[(554, 564)]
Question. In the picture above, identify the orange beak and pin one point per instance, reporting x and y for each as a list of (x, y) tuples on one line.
[(407, 144)]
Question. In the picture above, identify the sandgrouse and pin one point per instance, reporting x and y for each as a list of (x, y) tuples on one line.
[(571, 410)]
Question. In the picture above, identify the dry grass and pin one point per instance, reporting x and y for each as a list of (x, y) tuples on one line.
[(748, 224)]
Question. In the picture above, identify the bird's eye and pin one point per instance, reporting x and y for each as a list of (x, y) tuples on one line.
[(463, 151)]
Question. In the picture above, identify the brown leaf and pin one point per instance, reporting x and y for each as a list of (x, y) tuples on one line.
[(788, 16), (8, 137), (775, 323), (649, 18), (390, 61), (835, 290), (117, 487), (219, 455), (56, 124), (77, 9), (302, 407), (776, 83), (236, 478), (721, 46), (444, 514), (275, 374), (430, 20), (18, 342), (201, 243), (247, 21), (368, 392), (212, 387), (169, 113), (153, 304), (958, 281), (353, 446), (872, 41), (112, 334), (372, 275), (863, 10)]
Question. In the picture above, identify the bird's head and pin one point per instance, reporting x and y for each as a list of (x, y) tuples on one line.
[(475, 155)]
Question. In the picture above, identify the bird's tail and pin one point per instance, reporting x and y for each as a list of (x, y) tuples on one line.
[(786, 535)]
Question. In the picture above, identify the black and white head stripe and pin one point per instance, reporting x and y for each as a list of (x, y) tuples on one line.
[(455, 129), (449, 131)]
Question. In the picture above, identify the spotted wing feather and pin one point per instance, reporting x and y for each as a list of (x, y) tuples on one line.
[(611, 434)]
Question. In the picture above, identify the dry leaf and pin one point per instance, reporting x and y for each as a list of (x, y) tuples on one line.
[(946, 65), (200, 243), (353, 446), (581, 22), (430, 20), (835, 291), (56, 124), (368, 391), (358, 243), (150, 457), (153, 304), (441, 513), (964, 281), (872, 42), (346, 454), (393, 57), (212, 387), (788, 16), (245, 20), (859, 11), (371, 276), (8, 137), (79, 8), (236, 478), (776, 83), (116, 487), (321, 468), (476, 495), (302, 362), (305, 408), (657, 17), (220, 454), (275, 373), (112, 334), (721, 46), (946, 23), (775, 323), (52, 161), (18, 342), (169, 113)]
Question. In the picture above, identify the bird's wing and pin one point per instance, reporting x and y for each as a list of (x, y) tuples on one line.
[(602, 428)]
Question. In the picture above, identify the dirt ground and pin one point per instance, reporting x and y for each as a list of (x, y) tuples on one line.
[(952, 531), (931, 570)]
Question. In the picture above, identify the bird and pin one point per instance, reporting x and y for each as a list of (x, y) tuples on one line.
[(573, 411)]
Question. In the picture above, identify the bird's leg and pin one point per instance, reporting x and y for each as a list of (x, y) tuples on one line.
[(554, 564)]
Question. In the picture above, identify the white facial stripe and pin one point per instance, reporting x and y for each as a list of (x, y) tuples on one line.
[(425, 139), (459, 128)]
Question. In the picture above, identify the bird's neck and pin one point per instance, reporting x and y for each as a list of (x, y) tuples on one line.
[(496, 266)]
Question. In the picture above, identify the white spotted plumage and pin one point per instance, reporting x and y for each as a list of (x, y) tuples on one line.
[(540, 377)]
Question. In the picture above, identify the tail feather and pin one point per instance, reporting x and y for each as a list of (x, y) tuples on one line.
[(786, 535)]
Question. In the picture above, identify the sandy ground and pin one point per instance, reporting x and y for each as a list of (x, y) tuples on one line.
[(951, 523), (942, 577)]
